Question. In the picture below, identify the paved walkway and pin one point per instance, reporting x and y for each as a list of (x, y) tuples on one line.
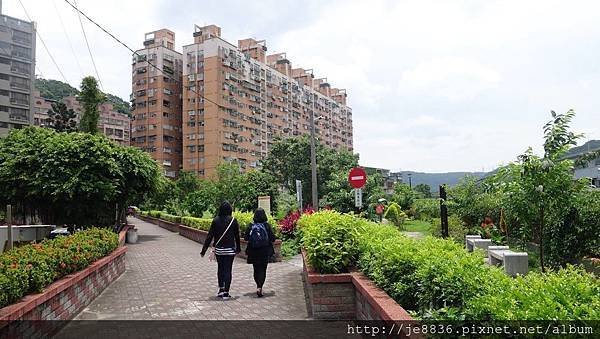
[(167, 279)]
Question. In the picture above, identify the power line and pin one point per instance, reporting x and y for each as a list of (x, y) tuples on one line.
[(88, 47), (135, 52), (68, 38), (44, 44)]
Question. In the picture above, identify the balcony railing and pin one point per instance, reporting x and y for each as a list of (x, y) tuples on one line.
[(16, 101)]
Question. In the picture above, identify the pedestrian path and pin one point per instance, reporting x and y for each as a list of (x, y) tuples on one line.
[(166, 279)]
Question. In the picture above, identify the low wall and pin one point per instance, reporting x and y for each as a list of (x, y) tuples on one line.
[(62, 300), (200, 235), (348, 296)]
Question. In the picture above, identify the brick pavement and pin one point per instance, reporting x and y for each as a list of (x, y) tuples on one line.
[(167, 279)]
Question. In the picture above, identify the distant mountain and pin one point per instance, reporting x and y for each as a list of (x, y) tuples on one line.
[(434, 180), (57, 90)]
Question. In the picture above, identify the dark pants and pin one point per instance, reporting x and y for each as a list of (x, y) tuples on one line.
[(260, 274), (224, 265)]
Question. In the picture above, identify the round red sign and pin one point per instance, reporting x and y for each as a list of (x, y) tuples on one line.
[(357, 177)]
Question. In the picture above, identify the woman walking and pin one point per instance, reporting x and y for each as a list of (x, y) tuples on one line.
[(225, 232), (260, 239)]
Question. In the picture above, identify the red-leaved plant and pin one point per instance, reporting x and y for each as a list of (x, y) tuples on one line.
[(288, 224)]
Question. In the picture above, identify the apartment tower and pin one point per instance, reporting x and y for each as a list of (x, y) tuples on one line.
[(156, 100), (237, 99), (17, 72)]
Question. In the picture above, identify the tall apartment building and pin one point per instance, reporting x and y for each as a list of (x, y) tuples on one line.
[(17, 72), (156, 100), (236, 99), (115, 125)]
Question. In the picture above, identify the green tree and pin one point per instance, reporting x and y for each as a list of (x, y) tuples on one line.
[(203, 199), (72, 178), (90, 97), (62, 119), (394, 214), (403, 195), (340, 195), (423, 190), (289, 159)]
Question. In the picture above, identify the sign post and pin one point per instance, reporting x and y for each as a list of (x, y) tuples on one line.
[(299, 193), (443, 211), (357, 179), (264, 202), (358, 198), (9, 227)]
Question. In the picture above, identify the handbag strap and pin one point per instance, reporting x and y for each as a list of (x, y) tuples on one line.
[(227, 229)]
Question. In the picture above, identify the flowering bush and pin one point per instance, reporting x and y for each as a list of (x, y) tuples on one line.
[(30, 268), (287, 225)]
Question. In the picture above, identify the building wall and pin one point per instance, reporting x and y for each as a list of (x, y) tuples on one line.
[(156, 101), (251, 99), (115, 125), (17, 73)]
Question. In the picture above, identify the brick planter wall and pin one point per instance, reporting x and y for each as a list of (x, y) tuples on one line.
[(62, 300), (200, 237), (348, 296)]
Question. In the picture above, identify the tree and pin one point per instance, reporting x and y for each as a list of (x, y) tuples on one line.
[(71, 178), (288, 161), (90, 97), (394, 214), (340, 195), (403, 195), (423, 190), (61, 118), (203, 199)]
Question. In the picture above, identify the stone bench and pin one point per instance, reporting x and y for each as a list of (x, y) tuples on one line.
[(474, 241), (515, 263)]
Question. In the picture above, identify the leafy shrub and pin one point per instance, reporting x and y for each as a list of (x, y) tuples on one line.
[(456, 228), (425, 209), (394, 214), (329, 239), (155, 214), (198, 223), (30, 268), (569, 293), (290, 247), (170, 217), (287, 226), (245, 219)]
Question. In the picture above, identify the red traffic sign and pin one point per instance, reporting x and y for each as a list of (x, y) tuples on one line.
[(357, 177)]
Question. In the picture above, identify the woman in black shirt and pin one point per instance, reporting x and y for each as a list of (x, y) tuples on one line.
[(225, 232)]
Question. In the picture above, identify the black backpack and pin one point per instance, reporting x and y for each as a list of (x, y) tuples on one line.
[(259, 237)]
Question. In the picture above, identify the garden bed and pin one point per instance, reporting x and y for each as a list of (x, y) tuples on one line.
[(62, 299), (348, 296)]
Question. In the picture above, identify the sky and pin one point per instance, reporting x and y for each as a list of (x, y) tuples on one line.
[(434, 86)]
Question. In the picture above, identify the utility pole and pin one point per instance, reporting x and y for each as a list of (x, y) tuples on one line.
[(313, 156)]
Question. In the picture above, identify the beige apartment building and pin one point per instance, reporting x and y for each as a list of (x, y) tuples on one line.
[(237, 99), (156, 100), (115, 125)]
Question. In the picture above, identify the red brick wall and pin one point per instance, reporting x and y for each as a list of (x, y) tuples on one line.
[(348, 296), (62, 300)]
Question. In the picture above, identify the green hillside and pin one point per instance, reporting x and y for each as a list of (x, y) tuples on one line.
[(56, 90)]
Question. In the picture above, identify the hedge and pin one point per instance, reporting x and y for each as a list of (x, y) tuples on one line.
[(437, 279), (198, 223), (30, 268)]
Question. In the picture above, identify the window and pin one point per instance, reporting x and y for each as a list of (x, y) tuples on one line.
[(5, 77), (165, 114)]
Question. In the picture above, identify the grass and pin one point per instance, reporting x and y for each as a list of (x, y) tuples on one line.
[(417, 226)]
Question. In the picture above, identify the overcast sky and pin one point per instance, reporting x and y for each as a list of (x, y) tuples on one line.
[(434, 85)]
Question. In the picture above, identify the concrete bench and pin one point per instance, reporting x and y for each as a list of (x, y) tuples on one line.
[(515, 263), (473, 243)]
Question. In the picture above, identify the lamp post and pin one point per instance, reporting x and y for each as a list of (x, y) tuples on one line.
[(313, 161)]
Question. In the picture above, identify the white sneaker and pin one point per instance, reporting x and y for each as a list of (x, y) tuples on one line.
[(226, 296), (220, 294)]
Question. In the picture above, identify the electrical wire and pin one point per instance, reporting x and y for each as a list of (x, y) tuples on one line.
[(68, 39), (135, 52), (88, 47), (44, 44)]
